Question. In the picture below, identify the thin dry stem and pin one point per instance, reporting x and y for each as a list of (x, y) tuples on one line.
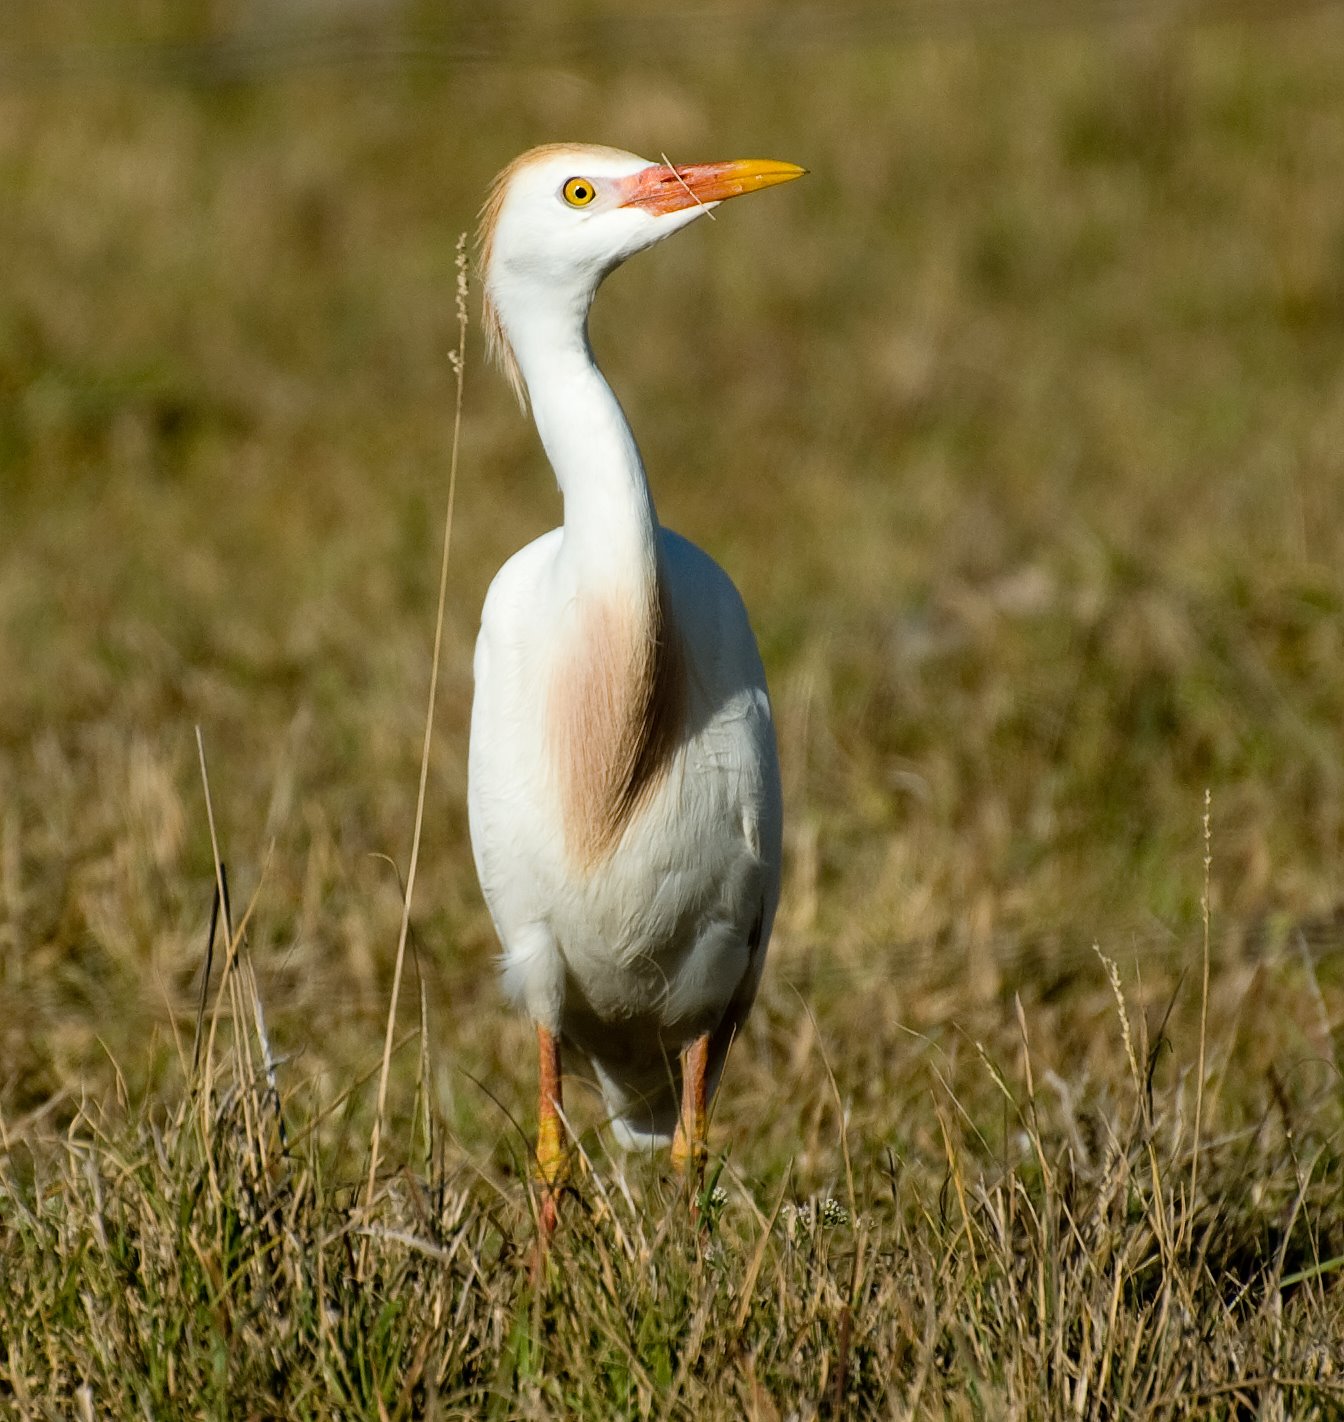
[(1205, 913), (458, 362), (709, 211)]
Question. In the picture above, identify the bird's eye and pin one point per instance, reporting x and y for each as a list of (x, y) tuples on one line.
[(578, 192)]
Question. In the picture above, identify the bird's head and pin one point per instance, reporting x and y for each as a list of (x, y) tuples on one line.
[(561, 217)]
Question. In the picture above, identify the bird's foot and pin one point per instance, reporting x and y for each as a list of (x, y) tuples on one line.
[(550, 1171), (551, 1167), (688, 1155), (689, 1151), (688, 1160)]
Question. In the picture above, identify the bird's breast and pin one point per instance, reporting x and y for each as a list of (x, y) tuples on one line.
[(615, 710)]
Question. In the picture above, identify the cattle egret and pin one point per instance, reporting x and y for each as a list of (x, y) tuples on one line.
[(624, 787)]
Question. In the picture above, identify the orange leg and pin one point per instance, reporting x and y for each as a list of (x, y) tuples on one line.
[(552, 1164), (688, 1145)]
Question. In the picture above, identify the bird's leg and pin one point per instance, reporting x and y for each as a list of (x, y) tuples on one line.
[(688, 1145), (551, 1161)]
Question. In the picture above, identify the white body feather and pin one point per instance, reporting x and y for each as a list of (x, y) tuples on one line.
[(633, 959)]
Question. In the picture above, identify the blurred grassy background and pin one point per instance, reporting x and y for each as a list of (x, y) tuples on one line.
[(1020, 425)]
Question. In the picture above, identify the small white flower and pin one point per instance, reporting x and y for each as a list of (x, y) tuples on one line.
[(833, 1213), (816, 1213)]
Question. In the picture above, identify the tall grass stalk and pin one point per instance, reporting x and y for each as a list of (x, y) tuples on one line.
[(457, 359)]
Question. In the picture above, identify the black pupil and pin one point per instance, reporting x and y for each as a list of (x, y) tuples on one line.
[(580, 191)]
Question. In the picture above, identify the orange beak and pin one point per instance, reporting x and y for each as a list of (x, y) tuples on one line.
[(659, 188)]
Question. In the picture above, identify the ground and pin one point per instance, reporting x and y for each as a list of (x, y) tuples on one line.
[(1019, 424)]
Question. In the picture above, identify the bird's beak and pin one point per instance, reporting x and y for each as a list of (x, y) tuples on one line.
[(659, 188)]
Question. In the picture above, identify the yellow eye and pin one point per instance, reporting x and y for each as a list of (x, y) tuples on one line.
[(578, 192)]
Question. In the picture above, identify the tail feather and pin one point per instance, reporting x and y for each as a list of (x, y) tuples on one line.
[(643, 1107)]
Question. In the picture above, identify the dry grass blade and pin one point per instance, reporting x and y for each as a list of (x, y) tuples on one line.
[(1205, 914), (459, 366)]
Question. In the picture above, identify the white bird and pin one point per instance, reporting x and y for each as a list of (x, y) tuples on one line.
[(623, 782)]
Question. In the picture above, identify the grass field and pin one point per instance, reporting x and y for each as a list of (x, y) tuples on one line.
[(1019, 423)]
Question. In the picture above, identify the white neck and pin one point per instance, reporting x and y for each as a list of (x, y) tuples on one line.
[(610, 523)]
